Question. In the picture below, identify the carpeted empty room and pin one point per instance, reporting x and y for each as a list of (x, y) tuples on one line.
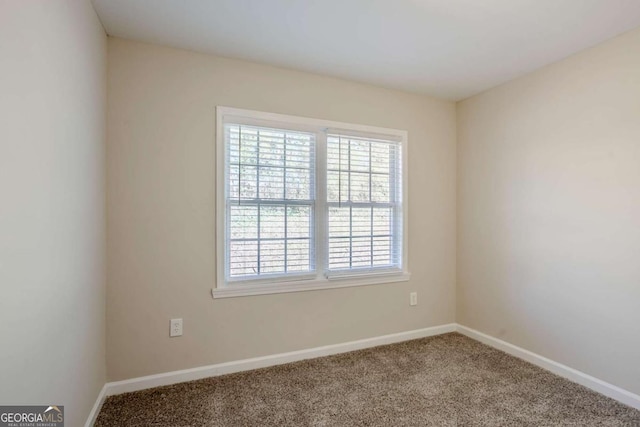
[(448, 380), (319, 213)]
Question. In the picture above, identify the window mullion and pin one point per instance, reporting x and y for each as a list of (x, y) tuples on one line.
[(350, 207), (371, 210), (321, 213), (258, 196), (284, 196)]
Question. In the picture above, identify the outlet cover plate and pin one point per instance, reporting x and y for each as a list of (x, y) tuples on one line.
[(176, 328)]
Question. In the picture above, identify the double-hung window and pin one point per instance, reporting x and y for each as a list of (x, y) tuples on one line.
[(307, 204)]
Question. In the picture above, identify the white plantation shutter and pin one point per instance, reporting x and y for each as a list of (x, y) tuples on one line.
[(270, 202), (364, 203)]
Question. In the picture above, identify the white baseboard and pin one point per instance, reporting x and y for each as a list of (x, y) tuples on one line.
[(571, 374), (96, 407), (169, 378), (175, 377)]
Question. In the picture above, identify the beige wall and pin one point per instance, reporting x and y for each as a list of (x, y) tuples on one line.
[(161, 127), (52, 220), (549, 212)]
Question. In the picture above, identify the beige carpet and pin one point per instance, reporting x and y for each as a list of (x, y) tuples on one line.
[(448, 380)]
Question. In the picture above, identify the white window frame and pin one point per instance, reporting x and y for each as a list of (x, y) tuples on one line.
[(316, 280)]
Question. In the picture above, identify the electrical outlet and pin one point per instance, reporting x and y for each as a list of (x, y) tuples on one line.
[(176, 328), (413, 298)]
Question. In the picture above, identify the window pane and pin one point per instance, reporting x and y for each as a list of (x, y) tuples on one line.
[(361, 222), (361, 252), (298, 221), (359, 155), (382, 251), (339, 222), (271, 148), (299, 152), (272, 256), (298, 184), (359, 187), (243, 222), (271, 183), (363, 182), (298, 255), (243, 182), (267, 168), (244, 258), (242, 150), (380, 191), (380, 156), (272, 222), (382, 221), (339, 253)]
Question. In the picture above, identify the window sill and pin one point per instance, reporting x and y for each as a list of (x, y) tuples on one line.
[(306, 285)]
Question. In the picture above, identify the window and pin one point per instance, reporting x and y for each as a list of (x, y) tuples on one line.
[(307, 204), (270, 202), (364, 218)]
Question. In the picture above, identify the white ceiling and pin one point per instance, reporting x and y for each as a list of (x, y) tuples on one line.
[(447, 48)]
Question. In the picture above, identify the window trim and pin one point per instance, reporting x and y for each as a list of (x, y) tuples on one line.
[(316, 280)]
